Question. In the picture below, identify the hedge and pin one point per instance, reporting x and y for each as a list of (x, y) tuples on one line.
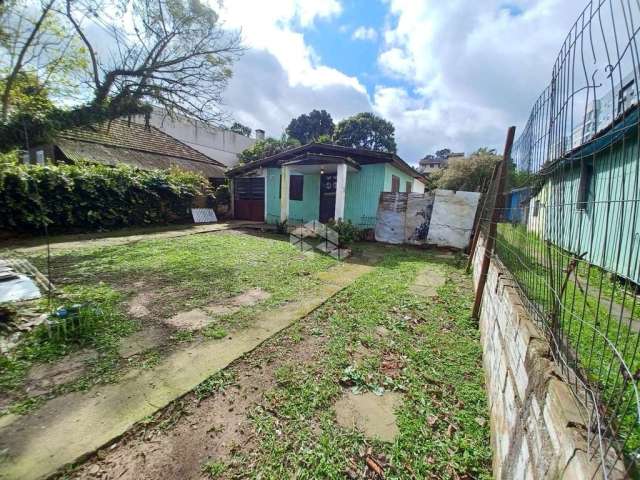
[(89, 197)]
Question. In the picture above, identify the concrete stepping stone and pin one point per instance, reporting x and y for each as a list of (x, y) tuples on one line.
[(192, 320), (141, 341), (428, 281), (374, 415)]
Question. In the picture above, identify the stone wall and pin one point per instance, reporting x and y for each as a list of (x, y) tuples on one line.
[(537, 427)]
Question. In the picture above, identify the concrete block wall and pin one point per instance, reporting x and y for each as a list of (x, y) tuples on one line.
[(537, 428)]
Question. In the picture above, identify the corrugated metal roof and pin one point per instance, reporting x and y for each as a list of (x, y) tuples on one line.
[(135, 144)]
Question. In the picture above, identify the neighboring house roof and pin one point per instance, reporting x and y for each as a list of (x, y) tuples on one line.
[(350, 155), (145, 147)]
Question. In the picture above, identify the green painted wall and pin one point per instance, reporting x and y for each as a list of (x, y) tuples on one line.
[(611, 221), (361, 196), (299, 210), (391, 170), (273, 195), (307, 209), (363, 192)]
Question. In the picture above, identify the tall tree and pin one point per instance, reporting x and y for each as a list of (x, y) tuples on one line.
[(472, 173), (172, 53), (266, 148), (368, 131), (237, 127), (310, 127), (35, 49)]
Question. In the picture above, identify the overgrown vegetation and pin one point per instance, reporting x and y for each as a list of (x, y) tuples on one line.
[(430, 353), (92, 197), (184, 273)]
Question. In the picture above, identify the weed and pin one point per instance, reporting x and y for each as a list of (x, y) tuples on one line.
[(214, 469), (215, 383), (215, 332)]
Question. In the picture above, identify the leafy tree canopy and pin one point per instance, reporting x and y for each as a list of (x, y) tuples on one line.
[(310, 127), (471, 174), (241, 129), (173, 54), (266, 148), (368, 131)]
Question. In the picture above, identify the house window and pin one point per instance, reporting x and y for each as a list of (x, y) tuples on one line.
[(536, 208), (395, 184), (586, 172), (408, 187), (296, 185)]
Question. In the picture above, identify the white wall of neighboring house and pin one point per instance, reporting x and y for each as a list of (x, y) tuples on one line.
[(217, 143), (417, 187)]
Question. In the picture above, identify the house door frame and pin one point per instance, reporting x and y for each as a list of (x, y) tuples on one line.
[(328, 182)]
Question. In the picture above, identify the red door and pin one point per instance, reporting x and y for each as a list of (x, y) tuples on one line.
[(249, 198)]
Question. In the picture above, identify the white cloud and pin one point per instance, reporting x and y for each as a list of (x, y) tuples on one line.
[(273, 27), (472, 68), (272, 101), (364, 33), (451, 74)]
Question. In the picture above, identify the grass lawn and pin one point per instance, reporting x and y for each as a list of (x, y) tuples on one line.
[(178, 274), (271, 414)]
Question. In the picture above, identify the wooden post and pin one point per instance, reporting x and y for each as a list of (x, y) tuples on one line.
[(478, 219), (498, 205)]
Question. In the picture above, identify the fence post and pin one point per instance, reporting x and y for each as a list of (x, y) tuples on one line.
[(476, 223), (498, 205)]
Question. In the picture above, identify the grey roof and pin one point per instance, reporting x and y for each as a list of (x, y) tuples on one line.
[(135, 144)]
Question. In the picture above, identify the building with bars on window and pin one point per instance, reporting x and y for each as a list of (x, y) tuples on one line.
[(320, 182)]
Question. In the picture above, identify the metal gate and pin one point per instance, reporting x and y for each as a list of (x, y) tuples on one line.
[(249, 198)]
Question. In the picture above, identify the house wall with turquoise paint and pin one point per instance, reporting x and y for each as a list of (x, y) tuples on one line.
[(364, 174), (591, 206), (361, 196)]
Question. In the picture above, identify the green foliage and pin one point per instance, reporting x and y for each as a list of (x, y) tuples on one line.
[(241, 129), (266, 148), (223, 195), (368, 131), (310, 127), (92, 197), (472, 174), (347, 231)]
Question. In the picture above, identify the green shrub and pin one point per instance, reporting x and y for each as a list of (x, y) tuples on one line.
[(347, 231), (92, 197)]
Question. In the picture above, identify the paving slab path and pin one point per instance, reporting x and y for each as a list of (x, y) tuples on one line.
[(69, 428)]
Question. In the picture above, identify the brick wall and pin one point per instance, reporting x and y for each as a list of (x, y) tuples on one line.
[(537, 427)]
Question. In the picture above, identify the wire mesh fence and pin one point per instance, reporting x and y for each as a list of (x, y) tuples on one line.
[(571, 237)]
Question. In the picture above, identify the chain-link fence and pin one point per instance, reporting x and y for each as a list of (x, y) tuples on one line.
[(571, 236)]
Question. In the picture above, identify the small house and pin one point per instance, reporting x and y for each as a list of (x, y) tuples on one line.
[(319, 182)]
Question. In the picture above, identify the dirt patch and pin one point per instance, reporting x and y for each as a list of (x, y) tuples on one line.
[(382, 331), (142, 340), (428, 281), (372, 414), (138, 305), (44, 377), (233, 304), (192, 432)]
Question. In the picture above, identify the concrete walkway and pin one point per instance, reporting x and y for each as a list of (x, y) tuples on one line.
[(69, 428), (121, 237)]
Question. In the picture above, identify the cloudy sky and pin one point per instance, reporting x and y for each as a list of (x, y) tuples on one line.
[(452, 73)]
